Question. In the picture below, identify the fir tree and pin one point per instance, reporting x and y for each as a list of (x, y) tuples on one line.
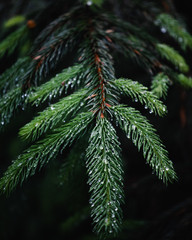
[(85, 100)]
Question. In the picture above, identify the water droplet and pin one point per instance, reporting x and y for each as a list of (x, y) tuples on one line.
[(101, 147), (52, 108), (133, 127), (89, 3), (107, 221), (151, 111), (167, 169), (50, 96), (180, 39), (105, 161), (163, 30)]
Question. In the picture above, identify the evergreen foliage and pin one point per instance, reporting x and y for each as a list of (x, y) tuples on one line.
[(184, 80), (55, 87), (11, 78), (11, 101), (86, 98), (173, 56), (14, 41), (105, 172), (50, 117), (175, 29), (160, 84), (143, 135), (14, 21), (140, 93), (43, 151)]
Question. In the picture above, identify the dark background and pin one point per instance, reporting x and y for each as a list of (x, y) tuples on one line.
[(44, 209)]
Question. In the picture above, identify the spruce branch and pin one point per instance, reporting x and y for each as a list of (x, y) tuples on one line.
[(99, 64), (94, 98), (14, 40), (140, 93), (55, 27), (128, 29), (105, 172), (69, 77), (173, 56), (12, 76), (54, 114), (135, 49), (14, 21), (10, 102), (43, 151), (47, 57), (143, 135), (175, 29), (183, 80), (160, 84)]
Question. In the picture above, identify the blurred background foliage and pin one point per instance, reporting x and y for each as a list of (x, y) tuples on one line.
[(55, 206)]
